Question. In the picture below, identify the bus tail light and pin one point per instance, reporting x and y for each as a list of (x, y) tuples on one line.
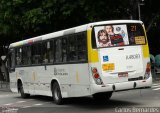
[(96, 76), (94, 70), (148, 71)]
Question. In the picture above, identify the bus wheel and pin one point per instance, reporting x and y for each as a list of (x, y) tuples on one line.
[(102, 97), (56, 93), (21, 90)]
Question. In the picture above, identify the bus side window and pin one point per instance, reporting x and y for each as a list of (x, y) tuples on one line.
[(11, 60), (82, 46), (45, 55), (26, 55), (18, 56), (58, 51), (72, 53), (36, 53), (29, 55), (64, 49), (47, 52), (51, 52)]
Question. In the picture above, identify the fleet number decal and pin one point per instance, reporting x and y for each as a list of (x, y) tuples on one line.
[(136, 56)]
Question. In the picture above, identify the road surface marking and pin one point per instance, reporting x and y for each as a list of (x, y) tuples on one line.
[(20, 101), (156, 89), (26, 106), (38, 104), (13, 110), (8, 104), (155, 86), (2, 96)]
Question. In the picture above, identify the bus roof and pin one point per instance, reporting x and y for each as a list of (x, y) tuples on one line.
[(68, 31)]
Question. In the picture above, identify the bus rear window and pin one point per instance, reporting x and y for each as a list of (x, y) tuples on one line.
[(118, 35)]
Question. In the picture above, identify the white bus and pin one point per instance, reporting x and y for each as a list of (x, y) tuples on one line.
[(87, 60)]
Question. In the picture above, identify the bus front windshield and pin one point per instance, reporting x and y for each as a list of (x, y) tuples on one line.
[(112, 35)]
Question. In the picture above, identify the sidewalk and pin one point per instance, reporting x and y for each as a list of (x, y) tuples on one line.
[(157, 80), (156, 77), (4, 86)]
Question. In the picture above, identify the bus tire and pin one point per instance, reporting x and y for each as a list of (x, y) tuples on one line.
[(56, 94), (102, 97), (21, 90)]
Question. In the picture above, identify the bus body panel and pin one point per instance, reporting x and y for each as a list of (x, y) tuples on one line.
[(123, 67), (127, 63), (36, 80), (13, 82), (121, 86)]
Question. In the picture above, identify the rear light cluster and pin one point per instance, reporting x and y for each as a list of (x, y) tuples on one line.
[(148, 71), (96, 76)]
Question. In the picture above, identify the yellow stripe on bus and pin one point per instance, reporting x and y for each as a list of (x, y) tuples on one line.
[(92, 54), (145, 47), (33, 76), (145, 51)]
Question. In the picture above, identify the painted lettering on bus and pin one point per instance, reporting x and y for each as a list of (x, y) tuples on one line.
[(135, 56), (58, 71)]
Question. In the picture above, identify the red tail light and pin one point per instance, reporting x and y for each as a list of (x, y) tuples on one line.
[(96, 75), (148, 68), (94, 70)]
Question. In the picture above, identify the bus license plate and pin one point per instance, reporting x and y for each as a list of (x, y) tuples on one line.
[(123, 74)]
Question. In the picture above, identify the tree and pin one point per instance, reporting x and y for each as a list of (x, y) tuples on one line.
[(28, 18), (22, 19)]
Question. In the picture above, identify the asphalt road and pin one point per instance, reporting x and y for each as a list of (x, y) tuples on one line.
[(127, 101)]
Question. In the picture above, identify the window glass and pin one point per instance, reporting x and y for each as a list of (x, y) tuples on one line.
[(81, 47), (118, 35), (36, 53), (11, 59), (64, 49), (26, 55), (50, 49), (136, 34), (72, 50), (58, 50), (47, 52), (18, 56)]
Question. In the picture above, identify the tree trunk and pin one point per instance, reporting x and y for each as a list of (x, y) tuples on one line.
[(1, 75), (4, 74)]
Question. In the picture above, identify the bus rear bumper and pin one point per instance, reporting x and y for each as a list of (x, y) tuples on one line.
[(121, 86)]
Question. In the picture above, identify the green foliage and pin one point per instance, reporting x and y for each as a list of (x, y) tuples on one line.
[(23, 18), (20, 19)]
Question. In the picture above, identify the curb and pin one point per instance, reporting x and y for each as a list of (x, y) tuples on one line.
[(6, 90), (156, 80), (4, 86)]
